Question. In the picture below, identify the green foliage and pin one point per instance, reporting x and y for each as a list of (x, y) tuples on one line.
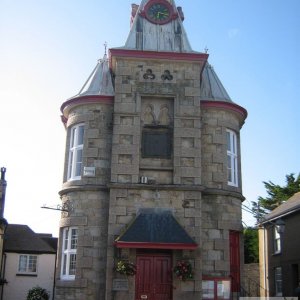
[(276, 195), (183, 270), (251, 245), (37, 293), (126, 267)]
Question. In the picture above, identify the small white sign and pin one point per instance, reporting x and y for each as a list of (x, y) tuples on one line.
[(89, 171)]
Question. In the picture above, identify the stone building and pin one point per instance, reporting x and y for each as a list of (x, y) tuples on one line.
[(152, 179)]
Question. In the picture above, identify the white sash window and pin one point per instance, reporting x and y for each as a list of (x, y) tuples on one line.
[(75, 152), (232, 158)]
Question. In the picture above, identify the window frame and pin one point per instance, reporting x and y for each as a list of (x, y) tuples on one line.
[(278, 281), (232, 158), (67, 252), (28, 262), (214, 292), (75, 148), (276, 240)]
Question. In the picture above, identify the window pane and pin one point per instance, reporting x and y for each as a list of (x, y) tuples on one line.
[(72, 267), (78, 162), (208, 289), (64, 268), (32, 263), (73, 135), (22, 263), (228, 141), (278, 281), (74, 239), (223, 289), (66, 234), (80, 135), (70, 164)]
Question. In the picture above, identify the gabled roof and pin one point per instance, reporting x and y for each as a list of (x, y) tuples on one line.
[(155, 229), (22, 239), (290, 206), (170, 37)]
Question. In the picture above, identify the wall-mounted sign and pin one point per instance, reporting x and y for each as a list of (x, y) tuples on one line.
[(120, 284)]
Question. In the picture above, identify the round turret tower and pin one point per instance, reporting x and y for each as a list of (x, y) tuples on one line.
[(221, 121), (83, 226)]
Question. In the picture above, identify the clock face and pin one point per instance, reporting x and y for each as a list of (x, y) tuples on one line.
[(159, 12)]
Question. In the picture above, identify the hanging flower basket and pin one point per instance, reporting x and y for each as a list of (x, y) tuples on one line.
[(126, 268), (183, 270)]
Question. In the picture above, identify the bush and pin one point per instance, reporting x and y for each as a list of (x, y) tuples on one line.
[(37, 293)]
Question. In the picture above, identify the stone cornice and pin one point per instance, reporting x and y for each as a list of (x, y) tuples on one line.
[(138, 186), (225, 105)]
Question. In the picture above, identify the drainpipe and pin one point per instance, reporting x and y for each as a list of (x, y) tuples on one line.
[(3, 183), (3, 223)]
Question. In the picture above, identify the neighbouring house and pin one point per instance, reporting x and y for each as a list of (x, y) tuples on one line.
[(279, 245), (29, 261), (152, 186)]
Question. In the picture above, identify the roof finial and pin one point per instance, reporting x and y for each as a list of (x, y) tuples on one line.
[(206, 49)]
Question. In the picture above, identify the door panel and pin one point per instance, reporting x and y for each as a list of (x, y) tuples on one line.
[(234, 238), (153, 277)]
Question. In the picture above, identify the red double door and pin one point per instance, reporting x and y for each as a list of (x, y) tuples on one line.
[(154, 277)]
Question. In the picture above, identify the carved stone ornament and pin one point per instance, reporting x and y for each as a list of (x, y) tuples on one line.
[(149, 75), (167, 75)]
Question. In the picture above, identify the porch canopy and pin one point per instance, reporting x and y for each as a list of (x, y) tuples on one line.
[(155, 229)]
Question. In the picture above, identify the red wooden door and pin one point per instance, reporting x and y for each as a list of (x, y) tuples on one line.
[(234, 238), (153, 277)]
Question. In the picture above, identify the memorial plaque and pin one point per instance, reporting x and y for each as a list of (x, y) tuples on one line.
[(120, 284)]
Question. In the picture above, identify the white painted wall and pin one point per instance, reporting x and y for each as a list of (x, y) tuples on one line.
[(18, 286)]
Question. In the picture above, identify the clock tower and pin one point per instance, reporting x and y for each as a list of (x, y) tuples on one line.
[(152, 181)]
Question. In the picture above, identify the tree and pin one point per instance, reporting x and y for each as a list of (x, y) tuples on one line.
[(276, 195), (251, 245)]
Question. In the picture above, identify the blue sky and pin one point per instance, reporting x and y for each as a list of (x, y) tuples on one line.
[(49, 47)]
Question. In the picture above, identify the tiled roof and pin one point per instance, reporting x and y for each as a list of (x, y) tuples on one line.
[(290, 206), (21, 239)]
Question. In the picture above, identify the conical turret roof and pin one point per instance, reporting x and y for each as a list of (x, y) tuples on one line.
[(212, 88), (99, 82), (97, 88)]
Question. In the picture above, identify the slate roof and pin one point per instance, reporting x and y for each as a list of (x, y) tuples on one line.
[(155, 226), (212, 88), (288, 207), (22, 239), (99, 83)]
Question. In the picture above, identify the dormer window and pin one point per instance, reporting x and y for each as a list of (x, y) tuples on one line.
[(75, 152), (232, 161)]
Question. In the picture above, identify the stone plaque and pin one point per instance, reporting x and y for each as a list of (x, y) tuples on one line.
[(120, 284)]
